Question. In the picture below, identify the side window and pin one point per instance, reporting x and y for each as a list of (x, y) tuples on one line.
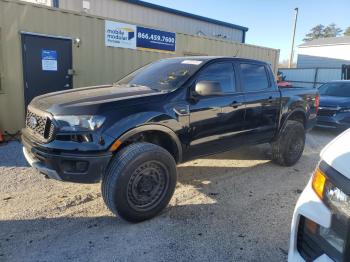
[(254, 77), (222, 73)]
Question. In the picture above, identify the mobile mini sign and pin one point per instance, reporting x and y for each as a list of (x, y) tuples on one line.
[(136, 37), (120, 35)]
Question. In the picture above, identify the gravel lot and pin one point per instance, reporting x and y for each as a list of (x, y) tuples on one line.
[(235, 206)]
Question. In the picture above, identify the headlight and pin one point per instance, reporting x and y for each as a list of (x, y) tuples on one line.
[(79, 123), (339, 203), (338, 199), (330, 193)]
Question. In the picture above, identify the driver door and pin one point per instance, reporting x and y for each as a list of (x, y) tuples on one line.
[(216, 121)]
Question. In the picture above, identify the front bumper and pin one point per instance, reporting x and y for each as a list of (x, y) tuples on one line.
[(78, 167), (311, 207), (338, 120), (306, 246)]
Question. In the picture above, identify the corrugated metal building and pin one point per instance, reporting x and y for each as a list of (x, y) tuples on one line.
[(152, 15), (33, 38), (330, 52)]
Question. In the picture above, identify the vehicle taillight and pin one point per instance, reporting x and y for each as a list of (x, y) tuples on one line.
[(317, 102)]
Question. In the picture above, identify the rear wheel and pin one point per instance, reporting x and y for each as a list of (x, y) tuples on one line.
[(289, 146), (139, 181)]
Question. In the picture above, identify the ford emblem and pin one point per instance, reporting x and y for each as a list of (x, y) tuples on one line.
[(32, 122)]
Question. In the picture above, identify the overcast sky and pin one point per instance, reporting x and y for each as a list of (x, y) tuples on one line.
[(269, 21)]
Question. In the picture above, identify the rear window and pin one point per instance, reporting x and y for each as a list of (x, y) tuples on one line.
[(254, 77), (335, 89)]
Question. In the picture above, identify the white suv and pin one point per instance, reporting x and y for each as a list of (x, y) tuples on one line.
[(321, 221)]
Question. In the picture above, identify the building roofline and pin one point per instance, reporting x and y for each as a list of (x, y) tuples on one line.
[(340, 40), (185, 14), (320, 45)]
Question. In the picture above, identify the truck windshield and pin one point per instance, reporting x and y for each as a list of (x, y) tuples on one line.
[(335, 89), (163, 75)]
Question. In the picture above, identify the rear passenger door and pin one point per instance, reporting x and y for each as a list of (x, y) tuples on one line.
[(262, 100)]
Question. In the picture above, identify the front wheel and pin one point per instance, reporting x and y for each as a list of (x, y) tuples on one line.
[(289, 146), (139, 182)]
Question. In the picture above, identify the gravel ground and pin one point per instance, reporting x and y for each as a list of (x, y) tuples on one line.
[(235, 206)]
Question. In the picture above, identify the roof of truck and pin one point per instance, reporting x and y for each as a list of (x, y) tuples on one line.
[(209, 58)]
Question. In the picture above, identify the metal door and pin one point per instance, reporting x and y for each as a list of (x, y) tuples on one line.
[(47, 64)]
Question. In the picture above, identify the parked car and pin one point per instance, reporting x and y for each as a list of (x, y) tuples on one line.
[(132, 134), (320, 227), (334, 110)]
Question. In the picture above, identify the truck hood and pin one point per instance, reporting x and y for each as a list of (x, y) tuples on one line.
[(337, 154), (334, 101), (71, 101)]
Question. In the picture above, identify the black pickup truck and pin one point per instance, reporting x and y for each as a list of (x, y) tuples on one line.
[(133, 133)]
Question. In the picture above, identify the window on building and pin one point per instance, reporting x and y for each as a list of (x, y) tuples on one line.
[(222, 73), (55, 3), (254, 77)]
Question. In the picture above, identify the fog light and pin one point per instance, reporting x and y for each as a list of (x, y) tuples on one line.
[(81, 166), (72, 166)]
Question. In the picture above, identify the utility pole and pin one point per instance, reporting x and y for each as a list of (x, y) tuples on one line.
[(293, 37)]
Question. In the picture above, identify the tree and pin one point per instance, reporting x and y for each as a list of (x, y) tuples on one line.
[(315, 33), (347, 31), (332, 31), (320, 31)]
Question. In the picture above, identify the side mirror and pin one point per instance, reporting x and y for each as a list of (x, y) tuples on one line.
[(208, 88)]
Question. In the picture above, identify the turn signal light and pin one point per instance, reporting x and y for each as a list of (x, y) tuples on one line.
[(318, 182), (317, 102), (115, 146), (311, 226)]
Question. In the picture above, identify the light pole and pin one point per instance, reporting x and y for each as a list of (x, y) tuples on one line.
[(293, 37)]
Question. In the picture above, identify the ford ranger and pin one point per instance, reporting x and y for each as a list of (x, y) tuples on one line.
[(131, 134)]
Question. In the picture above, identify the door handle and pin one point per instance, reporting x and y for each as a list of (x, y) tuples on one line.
[(182, 110), (236, 104), (270, 100)]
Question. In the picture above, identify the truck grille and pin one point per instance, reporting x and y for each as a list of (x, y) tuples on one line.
[(40, 125), (324, 111)]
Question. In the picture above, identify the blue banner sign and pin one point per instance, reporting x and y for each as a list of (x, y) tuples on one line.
[(155, 40)]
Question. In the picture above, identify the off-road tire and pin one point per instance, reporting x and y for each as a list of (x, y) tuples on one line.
[(134, 170), (289, 145)]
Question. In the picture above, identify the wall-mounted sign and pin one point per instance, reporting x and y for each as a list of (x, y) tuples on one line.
[(137, 37), (120, 35), (48, 60), (155, 40)]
